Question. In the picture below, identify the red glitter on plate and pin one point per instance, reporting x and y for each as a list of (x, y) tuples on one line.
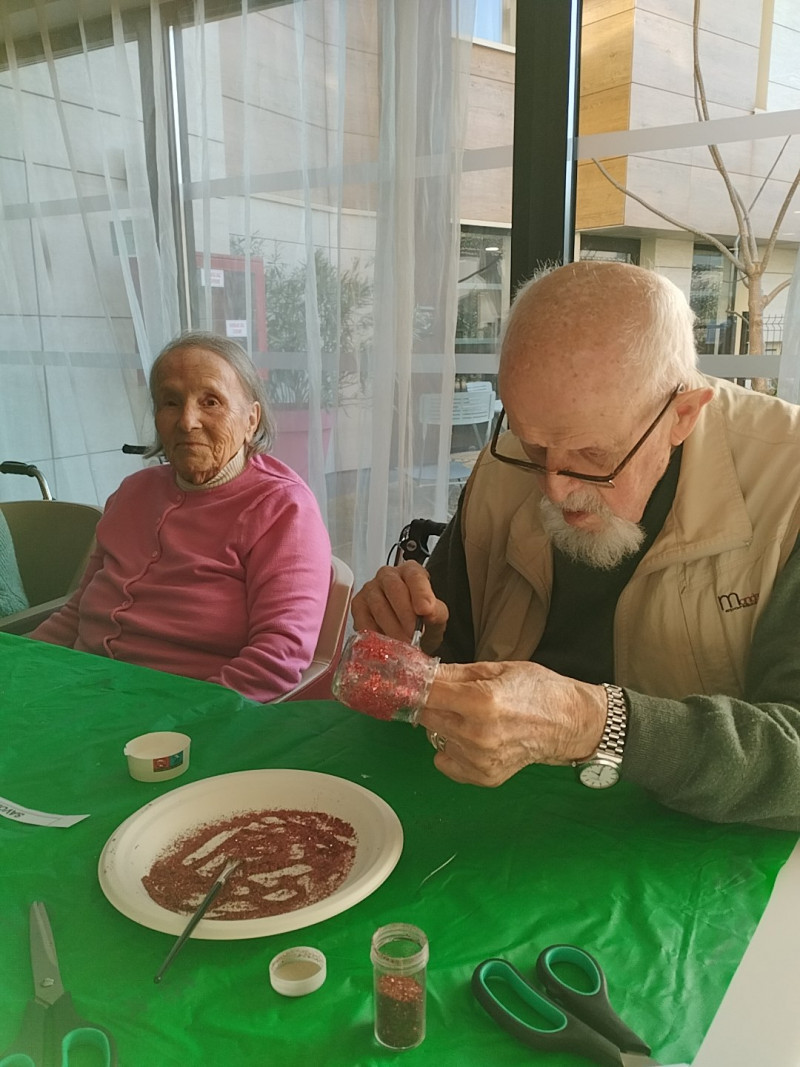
[(289, 859), (383, 677)]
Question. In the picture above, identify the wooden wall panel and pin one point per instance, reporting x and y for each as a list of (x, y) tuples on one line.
[(598, 203), (607, 53), (608, 110), (595, 10), (605, 103), (486, 195)]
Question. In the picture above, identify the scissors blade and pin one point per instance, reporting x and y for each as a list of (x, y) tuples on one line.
[(44, 962), (637, 1059)]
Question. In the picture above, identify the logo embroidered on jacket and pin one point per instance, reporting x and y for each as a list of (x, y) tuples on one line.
[(733, 602)]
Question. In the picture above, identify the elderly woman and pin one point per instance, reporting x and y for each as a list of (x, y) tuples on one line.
[(217, 565)]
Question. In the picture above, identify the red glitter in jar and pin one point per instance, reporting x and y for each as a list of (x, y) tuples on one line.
[(399, 1011), (383, 677)]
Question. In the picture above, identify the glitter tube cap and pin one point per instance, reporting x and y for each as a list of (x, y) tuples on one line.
[(383, 677), (297, 971)]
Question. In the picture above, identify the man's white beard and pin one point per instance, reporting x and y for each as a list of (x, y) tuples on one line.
[(603, 548)]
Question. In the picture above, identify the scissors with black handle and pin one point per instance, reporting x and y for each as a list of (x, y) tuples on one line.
[(573, 1019), (52, 1033)]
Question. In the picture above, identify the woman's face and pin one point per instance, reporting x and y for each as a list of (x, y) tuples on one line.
[(203, 415)]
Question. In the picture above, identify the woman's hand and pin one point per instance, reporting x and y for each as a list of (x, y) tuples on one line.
[(499, 717), (391, 601)]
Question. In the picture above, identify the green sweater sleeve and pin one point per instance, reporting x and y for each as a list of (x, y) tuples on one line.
[(723, 758)]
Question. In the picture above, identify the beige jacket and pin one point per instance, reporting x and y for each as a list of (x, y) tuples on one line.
[(685, 621)]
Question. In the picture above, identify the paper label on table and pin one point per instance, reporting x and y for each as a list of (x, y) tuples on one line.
[(9, 810)]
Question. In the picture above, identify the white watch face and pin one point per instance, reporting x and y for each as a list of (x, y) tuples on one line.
[(599, 775)]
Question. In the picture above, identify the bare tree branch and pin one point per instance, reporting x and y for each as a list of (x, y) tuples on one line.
[(768, 175), (700, 102), (749, 251), (773, 237), (778, 289), (668, 218)]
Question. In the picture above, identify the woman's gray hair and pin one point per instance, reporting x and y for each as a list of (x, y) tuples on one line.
[(246, 371)]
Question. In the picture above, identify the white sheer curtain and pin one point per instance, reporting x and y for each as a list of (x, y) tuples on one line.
[(88, 290), (286, 174)]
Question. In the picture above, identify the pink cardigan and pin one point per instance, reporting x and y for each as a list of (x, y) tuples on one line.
[(227, 584)]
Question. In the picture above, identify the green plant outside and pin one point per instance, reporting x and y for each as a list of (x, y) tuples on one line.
[(344, 301)]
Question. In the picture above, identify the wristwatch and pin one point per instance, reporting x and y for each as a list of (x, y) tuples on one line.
[(602, 769)]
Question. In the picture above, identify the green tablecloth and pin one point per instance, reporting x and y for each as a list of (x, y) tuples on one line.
[(666, 903)]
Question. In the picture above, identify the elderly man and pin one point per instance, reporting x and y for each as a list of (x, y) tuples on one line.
[(622, 565)]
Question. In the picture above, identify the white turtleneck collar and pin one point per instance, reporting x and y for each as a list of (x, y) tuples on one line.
[(232, 469)]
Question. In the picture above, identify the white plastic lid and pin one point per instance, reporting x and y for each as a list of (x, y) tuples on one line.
[(297, 971)]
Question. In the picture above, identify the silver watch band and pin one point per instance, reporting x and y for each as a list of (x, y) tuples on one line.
[(602, 769), (616, 728)]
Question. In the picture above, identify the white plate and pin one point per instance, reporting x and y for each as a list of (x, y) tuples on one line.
[(130, 851)]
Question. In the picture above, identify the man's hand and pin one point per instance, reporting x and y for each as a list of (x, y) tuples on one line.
[(499, 717), (391, 601)]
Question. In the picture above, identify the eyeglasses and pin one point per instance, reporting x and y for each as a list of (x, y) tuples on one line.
[(596, 479)]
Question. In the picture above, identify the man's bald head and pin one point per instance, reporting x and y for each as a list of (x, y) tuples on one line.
[(596, 322)]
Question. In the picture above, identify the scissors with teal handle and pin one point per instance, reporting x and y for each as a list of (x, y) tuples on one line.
[(568, 1018), (52, 1033)]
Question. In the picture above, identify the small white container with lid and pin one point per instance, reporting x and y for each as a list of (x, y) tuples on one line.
[(158, 756)]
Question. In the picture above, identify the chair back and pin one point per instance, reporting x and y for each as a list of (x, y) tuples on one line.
[(315, 682), (53, 540), (470, 408)]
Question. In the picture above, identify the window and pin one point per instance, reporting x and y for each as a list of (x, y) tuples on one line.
[(494, 21), (712, 290), (619, 249), (483, 295)]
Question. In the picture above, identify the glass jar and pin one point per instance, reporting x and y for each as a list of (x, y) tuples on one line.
[(383, 677), (399, 956)]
